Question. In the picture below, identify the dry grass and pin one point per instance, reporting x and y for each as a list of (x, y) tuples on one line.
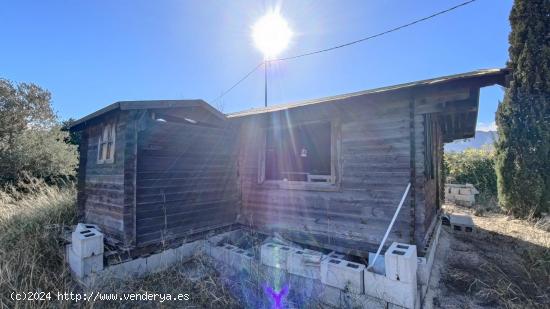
[(506, 264), (32, 221), (31, 255)]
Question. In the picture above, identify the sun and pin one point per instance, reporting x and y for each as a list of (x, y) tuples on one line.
[(271, 34)]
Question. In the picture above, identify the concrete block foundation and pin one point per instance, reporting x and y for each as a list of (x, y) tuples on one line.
[(305, 263), (275, 255), (310, 276), (83, 266), (87, 241), (342, 274), (396, 292), (401, 262)]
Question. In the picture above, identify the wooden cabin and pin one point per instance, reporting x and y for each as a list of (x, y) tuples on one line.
[(328, 173), (155, 171)]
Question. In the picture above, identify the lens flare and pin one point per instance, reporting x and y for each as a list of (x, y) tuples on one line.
[(271, 34), (277, 297)]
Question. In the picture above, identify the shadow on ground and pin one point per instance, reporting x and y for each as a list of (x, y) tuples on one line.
[(491, 269)]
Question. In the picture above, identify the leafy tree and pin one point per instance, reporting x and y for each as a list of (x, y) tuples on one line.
[(523, 119), (23, 106), (74, 137), (31, 142)]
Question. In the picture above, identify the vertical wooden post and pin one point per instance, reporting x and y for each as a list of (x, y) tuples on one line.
[(413, 169), (130, 171), (81, 185)]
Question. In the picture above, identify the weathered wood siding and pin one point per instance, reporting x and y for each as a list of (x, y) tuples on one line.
[(186, 180), (374, 155), (432, 186), (102, 186)]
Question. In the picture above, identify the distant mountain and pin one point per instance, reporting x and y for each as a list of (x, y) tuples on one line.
[(482, 139)]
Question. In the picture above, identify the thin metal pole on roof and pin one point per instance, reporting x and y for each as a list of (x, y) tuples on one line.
[(265, 82)]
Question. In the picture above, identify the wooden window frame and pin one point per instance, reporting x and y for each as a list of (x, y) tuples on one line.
[(335, 150), (106, 144)]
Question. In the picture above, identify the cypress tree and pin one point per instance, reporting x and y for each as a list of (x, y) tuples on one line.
[(523, 120)]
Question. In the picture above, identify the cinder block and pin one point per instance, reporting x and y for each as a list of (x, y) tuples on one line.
[(461, 194), (240, 259), (462, 223), (83, 266), (227, 248), (305, 263), (186, 251), (400, 293), (218, 252), (223, 253), (275, 255), (87, 242), (380, 266), (401, 263), (343, 274), (85, 226)]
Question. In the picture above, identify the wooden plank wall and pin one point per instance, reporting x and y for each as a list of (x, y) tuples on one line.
[(431, 185), (186, 180), (102, 193), (374, 158)]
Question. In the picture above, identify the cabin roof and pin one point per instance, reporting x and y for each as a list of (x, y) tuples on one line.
[(475, 79), (480, 78), (150, 104)]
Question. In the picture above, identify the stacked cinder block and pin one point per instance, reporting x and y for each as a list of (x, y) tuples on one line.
[(343, 274), (241, 259), (85, 253), (399, 285), (461, 194), (275, 255), (305, 263), (395, 281), (231, 255), (401, 263)]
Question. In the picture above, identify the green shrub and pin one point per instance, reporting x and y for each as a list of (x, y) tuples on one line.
[(475, 166), (38, 153)]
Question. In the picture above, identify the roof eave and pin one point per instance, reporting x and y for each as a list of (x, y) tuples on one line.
[(487, 77), (153, 104)]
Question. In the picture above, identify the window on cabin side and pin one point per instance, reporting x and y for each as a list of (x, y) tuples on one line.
[(106, 145), (299, 153)]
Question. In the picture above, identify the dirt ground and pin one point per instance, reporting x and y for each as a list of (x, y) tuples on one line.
[(505, 263)]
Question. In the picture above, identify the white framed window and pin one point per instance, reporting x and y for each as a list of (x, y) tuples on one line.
[(106, 144), (300, 156)]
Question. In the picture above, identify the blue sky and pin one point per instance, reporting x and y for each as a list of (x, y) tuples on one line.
[(92, 53)]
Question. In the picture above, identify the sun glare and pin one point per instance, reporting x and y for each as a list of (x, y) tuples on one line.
[(271, 34)]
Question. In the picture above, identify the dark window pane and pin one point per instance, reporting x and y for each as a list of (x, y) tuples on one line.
[(293, 153)]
